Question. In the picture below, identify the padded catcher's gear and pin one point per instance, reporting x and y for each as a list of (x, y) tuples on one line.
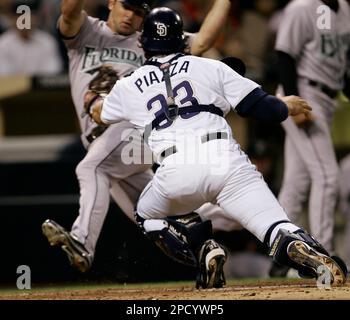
[(163, 32)]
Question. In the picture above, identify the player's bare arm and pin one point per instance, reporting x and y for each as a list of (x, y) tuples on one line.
[(72, 17), (211, 27)]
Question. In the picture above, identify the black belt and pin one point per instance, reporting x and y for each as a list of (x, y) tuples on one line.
[(325, 89), (186, 110), (205, 138), (95, 133)]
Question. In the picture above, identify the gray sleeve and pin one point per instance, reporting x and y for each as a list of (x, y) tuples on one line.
[(81, 37), (294, 31)]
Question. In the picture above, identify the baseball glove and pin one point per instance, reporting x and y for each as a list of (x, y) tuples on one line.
[(99, 87)]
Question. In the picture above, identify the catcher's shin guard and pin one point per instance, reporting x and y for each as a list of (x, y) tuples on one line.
[(299, 250), (178, 237)]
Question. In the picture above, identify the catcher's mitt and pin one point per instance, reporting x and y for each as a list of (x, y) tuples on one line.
[(99, 87)]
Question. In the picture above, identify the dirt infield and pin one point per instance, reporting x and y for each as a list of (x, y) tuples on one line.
[(241, 290)]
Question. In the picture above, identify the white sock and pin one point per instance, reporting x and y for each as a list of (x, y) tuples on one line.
[(287, 226)]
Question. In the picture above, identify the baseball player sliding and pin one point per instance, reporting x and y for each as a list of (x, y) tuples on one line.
[(100, 53), (313, 41), (182, 101)]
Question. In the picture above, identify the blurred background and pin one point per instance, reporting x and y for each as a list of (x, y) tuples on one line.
[(40, 147)]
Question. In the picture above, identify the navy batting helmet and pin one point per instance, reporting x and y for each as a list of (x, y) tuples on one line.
[(163, 32), (140, 4)]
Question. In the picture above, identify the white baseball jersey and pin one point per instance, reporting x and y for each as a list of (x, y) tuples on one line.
[(142, 96), (315, 36), (180, 186)]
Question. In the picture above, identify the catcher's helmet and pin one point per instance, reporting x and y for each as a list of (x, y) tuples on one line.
[(140, 4), (163, 32)]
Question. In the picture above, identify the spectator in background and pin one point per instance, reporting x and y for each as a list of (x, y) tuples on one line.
[(193, 13), (263, 155), (252, 40), (5, 9), (51, 10), (28, 51)]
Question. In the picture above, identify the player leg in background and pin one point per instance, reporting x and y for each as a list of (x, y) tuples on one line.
[(102, 166), (311, 147), (296, 182), (344, 203), (347, 239), (126, 192), (293, 194)]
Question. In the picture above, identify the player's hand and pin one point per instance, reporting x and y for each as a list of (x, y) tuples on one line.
[(296, 105), (302, 119)]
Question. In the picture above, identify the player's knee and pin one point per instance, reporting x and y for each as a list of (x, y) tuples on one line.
[(333, 178), (328, 179), (85, 168)]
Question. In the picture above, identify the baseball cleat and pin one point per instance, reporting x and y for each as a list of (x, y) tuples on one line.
[(303, 254), (211, 262), (78, 256)]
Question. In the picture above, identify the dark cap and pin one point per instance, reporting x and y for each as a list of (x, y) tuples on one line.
[(145, 5)]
